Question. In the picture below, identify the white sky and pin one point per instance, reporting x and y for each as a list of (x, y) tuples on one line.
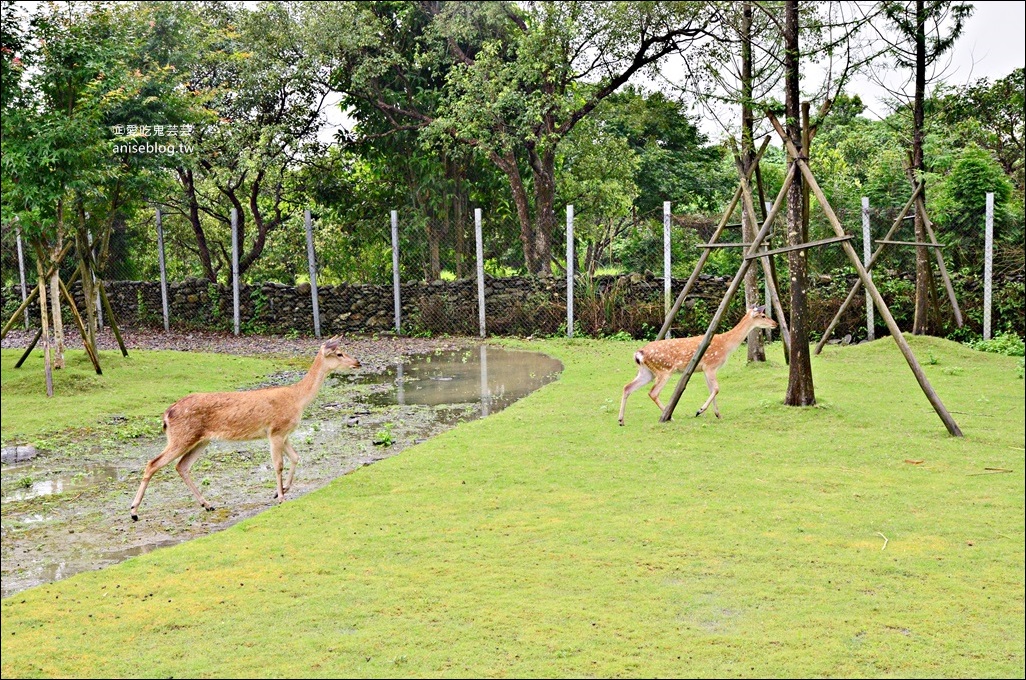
[(993, 43)]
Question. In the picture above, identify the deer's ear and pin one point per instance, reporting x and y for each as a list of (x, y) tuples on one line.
[(761, 309), (331, 345)]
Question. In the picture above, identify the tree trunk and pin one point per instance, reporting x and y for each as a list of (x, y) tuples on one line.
[(921, 318), (800, 389), (44, 324), (544, 176), (88, 289), (55, 292), (756, 351), (187, 180)]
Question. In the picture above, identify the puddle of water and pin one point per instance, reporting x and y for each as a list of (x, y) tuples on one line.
[(29, 481), (66, 531), (487, 378)]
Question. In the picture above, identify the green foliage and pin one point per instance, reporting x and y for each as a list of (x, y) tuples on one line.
[(962, 200), (138, 387), (1009, 344)]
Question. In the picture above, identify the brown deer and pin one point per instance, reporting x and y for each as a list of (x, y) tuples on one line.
[(661, 358), (273, 412)]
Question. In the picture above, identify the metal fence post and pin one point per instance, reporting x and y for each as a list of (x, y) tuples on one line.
[(395, 272), (21, 274), (235, 269), (867, 238), (988, 265), (163, 272), (480, 271), (667, 271), (570, 271), (313, 272)]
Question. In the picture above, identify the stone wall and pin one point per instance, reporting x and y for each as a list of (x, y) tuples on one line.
[(514, 306)]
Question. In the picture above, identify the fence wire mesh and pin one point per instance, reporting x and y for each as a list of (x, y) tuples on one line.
[(618, 286)]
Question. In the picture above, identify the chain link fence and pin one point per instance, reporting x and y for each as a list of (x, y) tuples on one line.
[(618, 281)]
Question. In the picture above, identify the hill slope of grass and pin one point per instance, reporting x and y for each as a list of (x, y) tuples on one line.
[(855, 538)]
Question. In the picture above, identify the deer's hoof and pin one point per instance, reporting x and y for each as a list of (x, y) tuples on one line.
[(135, 517), (209, 508)]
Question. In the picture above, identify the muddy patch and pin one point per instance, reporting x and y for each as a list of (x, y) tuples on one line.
[(67, 510)]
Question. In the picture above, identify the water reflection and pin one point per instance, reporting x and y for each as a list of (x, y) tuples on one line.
[(488, 378), (26, 487)]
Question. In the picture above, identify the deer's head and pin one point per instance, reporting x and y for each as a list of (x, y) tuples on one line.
[(335, 357), (758, 318)]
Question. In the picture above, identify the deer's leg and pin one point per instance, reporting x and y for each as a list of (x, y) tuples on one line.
[(183, 469), (172, 451), (660, 383), (714, 389), (277, 448), (643, 378), (293, 462)]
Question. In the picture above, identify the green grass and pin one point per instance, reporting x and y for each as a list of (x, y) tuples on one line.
[(140, 385), (855, 538)]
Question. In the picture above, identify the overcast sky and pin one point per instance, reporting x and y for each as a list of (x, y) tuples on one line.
[(992, 45)]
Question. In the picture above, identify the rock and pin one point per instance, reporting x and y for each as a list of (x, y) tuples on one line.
[(18, 454)]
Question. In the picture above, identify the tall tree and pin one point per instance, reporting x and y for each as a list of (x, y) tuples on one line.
[(519, 78), (62, 177), (800, 388), (263, 97), (924, 32)]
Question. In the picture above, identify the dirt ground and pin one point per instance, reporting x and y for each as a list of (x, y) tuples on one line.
[(67, 510)]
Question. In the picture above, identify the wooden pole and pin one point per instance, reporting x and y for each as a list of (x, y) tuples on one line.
[(312, 262), (113, 320), (705, 254), (869, 267), (906, 351), (731, 290), (86, 343)]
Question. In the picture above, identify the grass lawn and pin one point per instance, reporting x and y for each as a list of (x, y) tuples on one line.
[(855, 538), (140, 385)]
